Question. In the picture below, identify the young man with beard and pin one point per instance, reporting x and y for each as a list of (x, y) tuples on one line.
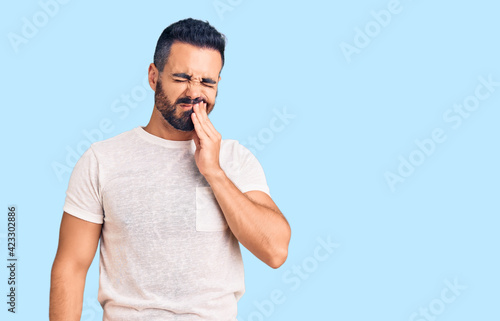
[(169, 202)]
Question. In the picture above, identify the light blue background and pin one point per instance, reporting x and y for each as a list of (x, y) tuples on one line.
[(325, 167)]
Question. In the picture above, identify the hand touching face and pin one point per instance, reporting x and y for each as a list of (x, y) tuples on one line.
[(190, 76)]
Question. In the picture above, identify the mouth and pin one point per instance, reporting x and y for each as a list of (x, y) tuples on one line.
[(190, 106)]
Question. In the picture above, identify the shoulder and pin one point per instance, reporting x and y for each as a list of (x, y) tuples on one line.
[(234, 149), (116, 146), (125, 136), (237, 154), (229, 145)]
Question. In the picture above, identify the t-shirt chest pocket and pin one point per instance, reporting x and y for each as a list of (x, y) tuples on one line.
[(209, 216)]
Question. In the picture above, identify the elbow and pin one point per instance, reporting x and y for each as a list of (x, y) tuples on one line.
[(68, 268), (279, 257)]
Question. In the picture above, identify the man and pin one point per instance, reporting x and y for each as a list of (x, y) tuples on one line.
[(169, 202)]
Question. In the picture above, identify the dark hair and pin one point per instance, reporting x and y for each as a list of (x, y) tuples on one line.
[(194, 32)]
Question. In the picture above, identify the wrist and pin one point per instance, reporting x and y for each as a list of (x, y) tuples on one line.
[(214, 175)]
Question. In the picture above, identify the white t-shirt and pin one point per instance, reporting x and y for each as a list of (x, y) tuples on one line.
[(166, 250)]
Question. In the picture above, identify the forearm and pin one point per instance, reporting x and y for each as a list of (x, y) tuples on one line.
[(263, 231), (66, 292)]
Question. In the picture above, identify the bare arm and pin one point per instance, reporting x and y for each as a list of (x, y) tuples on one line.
[(254, 219), (78, 240)]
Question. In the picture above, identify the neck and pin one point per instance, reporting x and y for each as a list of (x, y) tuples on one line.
[(158, 126)]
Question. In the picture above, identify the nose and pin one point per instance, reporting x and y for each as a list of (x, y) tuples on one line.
[(193, 89)]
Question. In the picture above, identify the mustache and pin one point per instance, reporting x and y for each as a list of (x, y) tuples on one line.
[(186, 100)]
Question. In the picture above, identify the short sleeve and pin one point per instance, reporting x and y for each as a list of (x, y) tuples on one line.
[(251, 175), (83, 196)]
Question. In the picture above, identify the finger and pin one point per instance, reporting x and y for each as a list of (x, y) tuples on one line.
[(198, 127), (204, 110), (201, 122), (200, 112), (208, 126)]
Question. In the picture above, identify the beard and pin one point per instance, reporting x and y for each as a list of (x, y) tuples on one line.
[(168, 110)]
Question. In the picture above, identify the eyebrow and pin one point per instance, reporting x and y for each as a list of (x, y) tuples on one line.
[(188, 77), (208, 81)]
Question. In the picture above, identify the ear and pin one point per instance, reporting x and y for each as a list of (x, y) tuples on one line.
[(153, 75)]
